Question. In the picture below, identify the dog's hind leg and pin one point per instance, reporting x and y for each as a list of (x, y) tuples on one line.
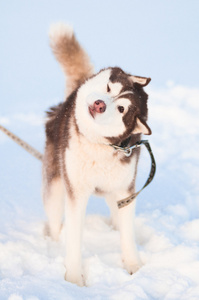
[(74, 221), (53, 199), (114, 212)]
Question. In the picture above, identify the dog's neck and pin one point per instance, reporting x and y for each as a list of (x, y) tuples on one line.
[(125, 143)]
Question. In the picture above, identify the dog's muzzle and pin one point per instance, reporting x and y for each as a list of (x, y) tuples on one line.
[(98, 106)]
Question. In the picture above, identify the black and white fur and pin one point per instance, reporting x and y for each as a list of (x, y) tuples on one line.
[(109, 107)]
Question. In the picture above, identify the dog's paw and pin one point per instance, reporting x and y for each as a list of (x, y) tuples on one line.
[(76, 279), (132, 267)]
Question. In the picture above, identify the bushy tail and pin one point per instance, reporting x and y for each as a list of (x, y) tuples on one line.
[(72, 57)]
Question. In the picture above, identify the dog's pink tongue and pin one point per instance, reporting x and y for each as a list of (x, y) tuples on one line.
[(99, 106)]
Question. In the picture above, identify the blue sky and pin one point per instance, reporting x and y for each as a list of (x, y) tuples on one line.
[(147, 38)]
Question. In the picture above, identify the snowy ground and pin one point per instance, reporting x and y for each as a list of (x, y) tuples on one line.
[(167, 223)]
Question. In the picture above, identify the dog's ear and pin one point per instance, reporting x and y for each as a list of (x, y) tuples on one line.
[(140, 81), (141, 127)]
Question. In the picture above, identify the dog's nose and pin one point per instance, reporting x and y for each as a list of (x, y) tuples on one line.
[(99, 106)]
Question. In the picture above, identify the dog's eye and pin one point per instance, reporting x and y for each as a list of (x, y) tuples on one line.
[(121, 109)]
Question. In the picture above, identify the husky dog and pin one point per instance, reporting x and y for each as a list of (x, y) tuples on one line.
[(109, 107)]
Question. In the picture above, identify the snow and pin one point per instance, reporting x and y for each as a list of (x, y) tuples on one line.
[(167, 218)]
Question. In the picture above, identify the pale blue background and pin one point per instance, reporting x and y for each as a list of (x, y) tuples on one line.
[(148, 38), (156, 38)]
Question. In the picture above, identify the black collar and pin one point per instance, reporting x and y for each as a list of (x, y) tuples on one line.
[(125, 143)]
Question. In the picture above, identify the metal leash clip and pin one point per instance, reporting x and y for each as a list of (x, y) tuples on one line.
[(127, 150)]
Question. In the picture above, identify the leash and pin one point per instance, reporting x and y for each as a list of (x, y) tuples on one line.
[(21, 143), (128, 151)]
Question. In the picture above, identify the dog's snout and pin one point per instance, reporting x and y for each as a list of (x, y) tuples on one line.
[(99, 106)]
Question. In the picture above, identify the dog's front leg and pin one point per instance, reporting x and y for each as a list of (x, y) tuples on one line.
[(74, 221), (130, 254)]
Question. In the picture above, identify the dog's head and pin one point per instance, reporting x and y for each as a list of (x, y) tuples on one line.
[(111, 106)]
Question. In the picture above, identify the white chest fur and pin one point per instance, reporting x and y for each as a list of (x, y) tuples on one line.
[(90, 166)]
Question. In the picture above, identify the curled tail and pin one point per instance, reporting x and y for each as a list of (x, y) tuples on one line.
[(71, 56)]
